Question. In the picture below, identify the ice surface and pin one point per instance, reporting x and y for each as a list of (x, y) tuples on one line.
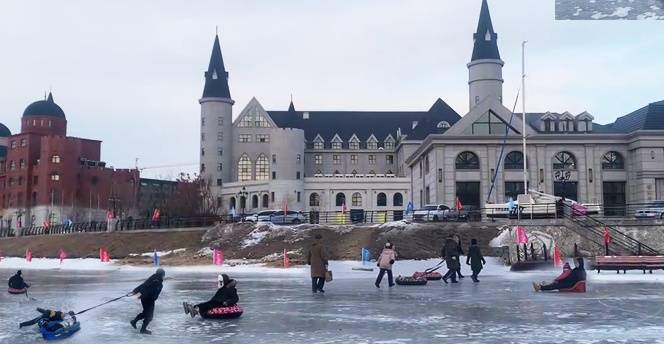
[(609, 9), (279, 307)]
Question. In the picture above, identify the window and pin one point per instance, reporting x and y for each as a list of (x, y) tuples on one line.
[(232, 203), (340, 199), (318, 144), (219, 166), (220, 151), (297, 175), (372, 159), (220, 120), (336, 145), (489, 124), (254, 119), (356, 199), (426, 164), (513, 190), (354, 144), (24, 142), (440, 175), (272, 197), (202, 136), (353, 159), (389, 159), (202, 168), (202, 151), (220, 136), (397, 200), (244, 168), (274, 175), (262, 168), (389, 144), (314, 200), (244, 138), (613, 161), (443, 125), (467, 161), (55, 176), (12, 165), (202, 121), (514, 161), (21, 164), (381, 200), (13, 144), (262, 138), (254, 201), (298, 158), (318, 159), (372, 143), (298, 197), (427, 196), (218, 181), (274, 158), (564, 161), (336, 159), (547, 125)]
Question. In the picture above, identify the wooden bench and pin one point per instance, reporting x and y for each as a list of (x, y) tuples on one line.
[(624, 263)]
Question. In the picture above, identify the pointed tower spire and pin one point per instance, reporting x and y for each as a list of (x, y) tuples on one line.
[(216, 77), (486, 40), (291, 107)]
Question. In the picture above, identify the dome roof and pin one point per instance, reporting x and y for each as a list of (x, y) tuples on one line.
[(4, 131), (44, 108)]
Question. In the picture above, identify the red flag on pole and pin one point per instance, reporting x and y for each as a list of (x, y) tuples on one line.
[(286, 260), (607, 235), (28, 255), (457, 204), (156, 214), (62, 255), (217, 257), (285, 206), (103, 255), (344, 209), (557, 257), (521, 236)]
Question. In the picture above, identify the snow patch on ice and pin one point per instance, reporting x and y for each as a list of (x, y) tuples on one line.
[(159, 253)]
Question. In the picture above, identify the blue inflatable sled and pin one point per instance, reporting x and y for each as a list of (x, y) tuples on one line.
[(55, 330)]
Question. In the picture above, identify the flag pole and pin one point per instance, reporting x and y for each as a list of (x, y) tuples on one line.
[(523, 120)]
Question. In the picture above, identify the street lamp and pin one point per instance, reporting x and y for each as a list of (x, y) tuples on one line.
[(242, 196)]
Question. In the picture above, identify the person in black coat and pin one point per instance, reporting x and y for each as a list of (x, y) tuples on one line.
[(225, 296), (475, 259), (148, 292), (578, 274), (17, 282), (460, 251), (450, 253)]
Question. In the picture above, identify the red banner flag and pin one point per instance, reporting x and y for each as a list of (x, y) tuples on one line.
[(103, 255), (62, 255), (344, 209), (607, 235), (218, 257), (156, 215), (28, 255), (557, 257), (457, 204), (521, 236), (286, 260)]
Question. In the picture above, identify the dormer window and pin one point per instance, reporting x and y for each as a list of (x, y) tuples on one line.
[(487, 37), (389, 142), (372, 142), (214, 75), (443, 125), (336, 142), (319, 143)]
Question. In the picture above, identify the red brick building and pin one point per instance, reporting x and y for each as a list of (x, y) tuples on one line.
[(48, 177)]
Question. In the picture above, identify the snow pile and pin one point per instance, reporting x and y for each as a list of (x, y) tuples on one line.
[(54, 264), (159, 253)]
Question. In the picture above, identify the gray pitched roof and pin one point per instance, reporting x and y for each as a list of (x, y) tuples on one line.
[(649, 117), (365, 123), (483, 48), (216, 77)]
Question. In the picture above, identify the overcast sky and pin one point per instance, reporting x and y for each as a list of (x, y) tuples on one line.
[(130, 73)]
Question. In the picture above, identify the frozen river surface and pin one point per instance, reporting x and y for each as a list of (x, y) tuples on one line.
[(279, 308), (609, 9)]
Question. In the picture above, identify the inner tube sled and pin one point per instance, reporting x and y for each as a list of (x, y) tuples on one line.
[(229, 312), (410, 281), (15, 291), (56, 330), (430, 276)]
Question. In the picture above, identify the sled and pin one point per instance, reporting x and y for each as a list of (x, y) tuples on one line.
[(429, 276), (65, 329), (230, 312), (410, 281), (14, 291), (579, 287)]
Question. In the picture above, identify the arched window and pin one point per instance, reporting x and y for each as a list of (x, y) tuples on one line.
[(467, 161), (232, 203), (254, 201), (266, 201), (564, 161), (244, 168), (262, 167), (340, 199), (314, 200), (381, 200), (443, 125), (514, 161), (356, 200), (613, 161), (397, 200)]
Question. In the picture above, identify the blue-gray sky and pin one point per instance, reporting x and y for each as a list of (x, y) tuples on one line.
[(130, 73)]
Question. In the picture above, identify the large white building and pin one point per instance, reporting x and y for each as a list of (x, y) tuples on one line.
[(323, 160)]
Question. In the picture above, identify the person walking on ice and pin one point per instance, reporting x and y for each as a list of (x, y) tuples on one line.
[(317, 260), (475, 259), (148, 292), (385, 262), (450, 254)]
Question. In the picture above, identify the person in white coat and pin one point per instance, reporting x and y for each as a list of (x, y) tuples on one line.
[(385, 262)]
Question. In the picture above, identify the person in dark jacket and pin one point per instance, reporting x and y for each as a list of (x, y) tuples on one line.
[(577, 274), (225, 296), (17, 282), (460, 251), (46, 314), (148, 292), (475, 259), (450, 254), (317, 259)]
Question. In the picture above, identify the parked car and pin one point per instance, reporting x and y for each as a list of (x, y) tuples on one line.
[(653, 211), (432, 213), (291, 217), (260, 216)]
